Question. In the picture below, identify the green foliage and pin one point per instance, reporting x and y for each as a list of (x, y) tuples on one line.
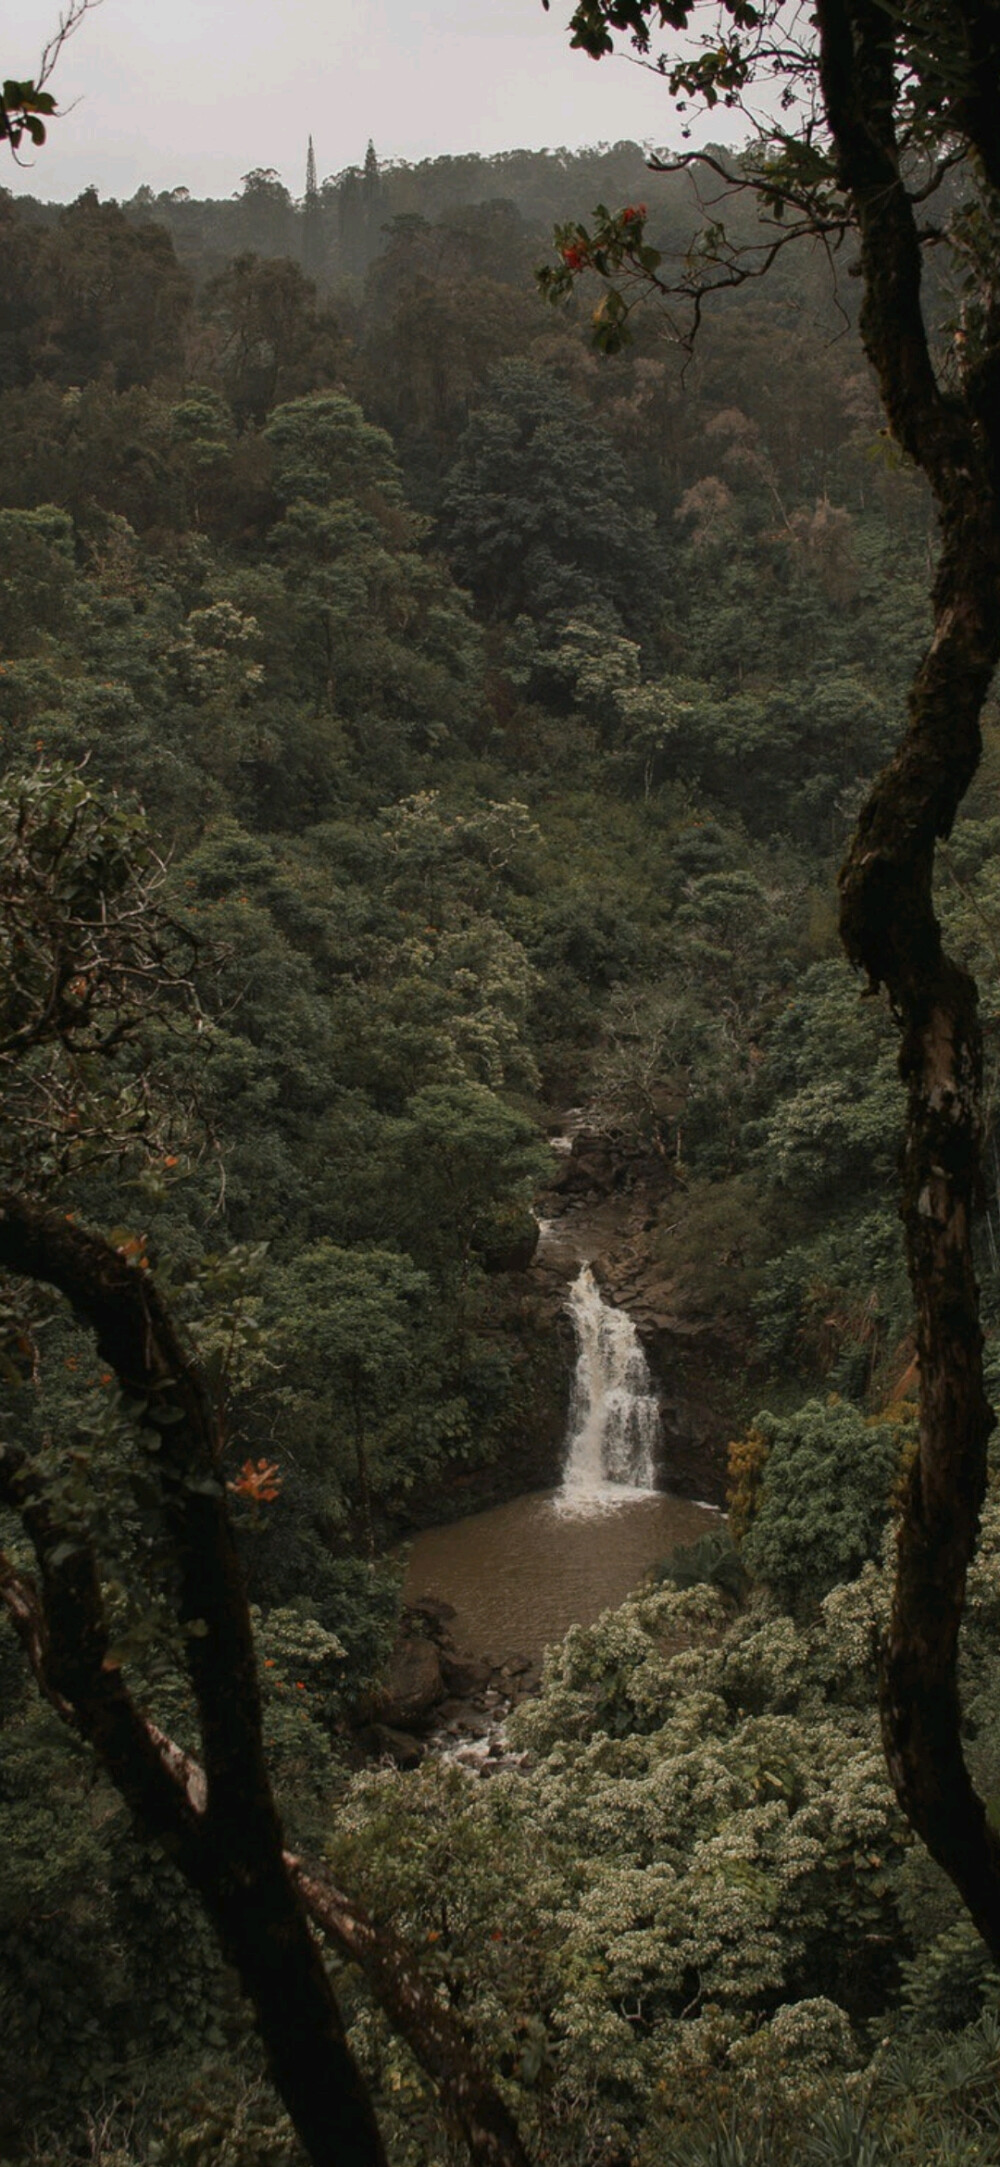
[(691, 1882), (946, 1984), (352, 1336), (353, 1317), (836, 1302), (459, 1156), (435, 869), (88, 958), (324, 450), (110, 1978), (268, 337), (540, 514), (36, 556), (99, 295), (824, 1499), (24, 109), (713, 1561)]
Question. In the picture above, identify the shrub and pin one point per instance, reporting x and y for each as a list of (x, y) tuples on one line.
[(824, 1499)]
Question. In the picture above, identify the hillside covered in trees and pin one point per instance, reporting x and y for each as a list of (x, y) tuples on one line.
[(449, 728)]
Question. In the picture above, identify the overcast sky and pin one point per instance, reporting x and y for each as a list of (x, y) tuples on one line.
[(195, 92)]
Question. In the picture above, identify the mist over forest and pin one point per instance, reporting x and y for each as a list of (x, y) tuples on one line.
[(428, 744)]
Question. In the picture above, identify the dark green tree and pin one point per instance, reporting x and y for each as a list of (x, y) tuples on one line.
[(824, 1499), (539, 515), (265, 337), (352, 1328), (371, 185), (109, 298), (265, 212)]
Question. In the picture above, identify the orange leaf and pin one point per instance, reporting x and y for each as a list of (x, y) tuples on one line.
[(262, 1484)]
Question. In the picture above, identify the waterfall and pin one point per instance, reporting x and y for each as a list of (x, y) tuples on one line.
[(614, 1423)]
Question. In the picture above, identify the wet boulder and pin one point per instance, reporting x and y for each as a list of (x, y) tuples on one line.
[(465, 1674), (386, 1744), (429, 1614), (414, 1684)]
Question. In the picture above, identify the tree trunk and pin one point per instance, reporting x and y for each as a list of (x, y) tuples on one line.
[(231, 1849), (890, 930), (263, 1931), (432, 2029)]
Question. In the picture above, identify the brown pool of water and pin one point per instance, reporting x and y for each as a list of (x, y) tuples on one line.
[(520, 1575)]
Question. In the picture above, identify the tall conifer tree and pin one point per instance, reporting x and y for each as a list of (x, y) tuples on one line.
[(312, 232)]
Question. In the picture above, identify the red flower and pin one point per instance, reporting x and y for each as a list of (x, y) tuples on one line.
[(574, 257), (633, 213), (262, 1484)]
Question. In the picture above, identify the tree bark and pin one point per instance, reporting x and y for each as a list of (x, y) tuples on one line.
[(432, 2029), (232, 1853), (890, 930), (218, 1822)]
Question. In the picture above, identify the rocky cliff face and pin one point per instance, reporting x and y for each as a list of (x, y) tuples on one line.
[(611, 1210), (608, 1209)]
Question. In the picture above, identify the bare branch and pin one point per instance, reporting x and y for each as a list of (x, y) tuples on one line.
[(69, 24), (26, 107)]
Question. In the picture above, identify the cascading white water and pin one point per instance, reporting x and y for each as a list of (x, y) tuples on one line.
[(614, 1424)]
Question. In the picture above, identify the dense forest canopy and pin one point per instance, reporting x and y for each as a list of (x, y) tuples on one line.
[(414, 726), (338, 226)]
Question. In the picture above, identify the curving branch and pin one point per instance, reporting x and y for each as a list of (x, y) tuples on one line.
[(218, 1820), (891, 931), (232, 1852), (432, 2029), (62, 1627)]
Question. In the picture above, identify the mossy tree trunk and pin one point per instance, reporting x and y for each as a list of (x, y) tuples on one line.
[(890, 930)]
